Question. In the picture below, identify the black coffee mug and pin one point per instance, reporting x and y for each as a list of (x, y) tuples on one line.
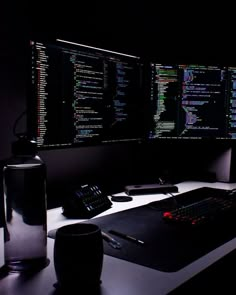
[(78, 257)]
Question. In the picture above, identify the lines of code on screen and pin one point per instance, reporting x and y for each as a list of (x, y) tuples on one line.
[(193, 101), (84, 95)]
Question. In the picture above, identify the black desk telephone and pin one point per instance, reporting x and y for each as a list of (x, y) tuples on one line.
[(86, 202)]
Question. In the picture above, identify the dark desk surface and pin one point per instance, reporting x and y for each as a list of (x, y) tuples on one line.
[(168, 246), (219, 278), (120, 276)]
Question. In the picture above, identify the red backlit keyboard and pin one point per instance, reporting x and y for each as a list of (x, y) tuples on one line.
[(204, 210)]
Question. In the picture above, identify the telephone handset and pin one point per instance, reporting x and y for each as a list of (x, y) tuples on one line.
[(86, 202)]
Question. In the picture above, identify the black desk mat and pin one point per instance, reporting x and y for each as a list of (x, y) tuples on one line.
[(168, 247)]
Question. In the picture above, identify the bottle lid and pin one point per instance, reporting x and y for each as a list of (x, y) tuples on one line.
[(24, 146)]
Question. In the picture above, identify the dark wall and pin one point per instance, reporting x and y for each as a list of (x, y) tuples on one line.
[(156, 30), (164, 32)]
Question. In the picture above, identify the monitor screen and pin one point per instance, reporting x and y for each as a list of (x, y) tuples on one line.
[(192, 101), (83, 95)]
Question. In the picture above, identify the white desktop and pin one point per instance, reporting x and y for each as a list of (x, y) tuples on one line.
[(120, 276)]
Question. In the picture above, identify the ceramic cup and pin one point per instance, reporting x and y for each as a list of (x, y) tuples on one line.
[(78, 257)]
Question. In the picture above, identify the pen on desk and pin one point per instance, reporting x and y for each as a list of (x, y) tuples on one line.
[(127, 237), (112, 242)]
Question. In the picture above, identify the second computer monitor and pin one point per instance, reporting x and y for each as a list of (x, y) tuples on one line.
[(192, 101)]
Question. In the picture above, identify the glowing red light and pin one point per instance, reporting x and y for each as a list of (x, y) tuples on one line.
[(167, 215)]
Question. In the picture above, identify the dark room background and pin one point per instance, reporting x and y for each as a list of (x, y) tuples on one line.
[(156, 31)]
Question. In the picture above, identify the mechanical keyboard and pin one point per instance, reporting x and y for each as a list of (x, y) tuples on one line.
[(202, 206)]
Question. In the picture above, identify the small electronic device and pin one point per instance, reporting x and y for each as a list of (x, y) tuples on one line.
[(150, 189), (86, 202)]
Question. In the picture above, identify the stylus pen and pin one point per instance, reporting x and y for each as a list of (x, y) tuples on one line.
[(126, 237)]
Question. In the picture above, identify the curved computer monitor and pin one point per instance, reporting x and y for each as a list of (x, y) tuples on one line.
[(82, 95), (190, 101)]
